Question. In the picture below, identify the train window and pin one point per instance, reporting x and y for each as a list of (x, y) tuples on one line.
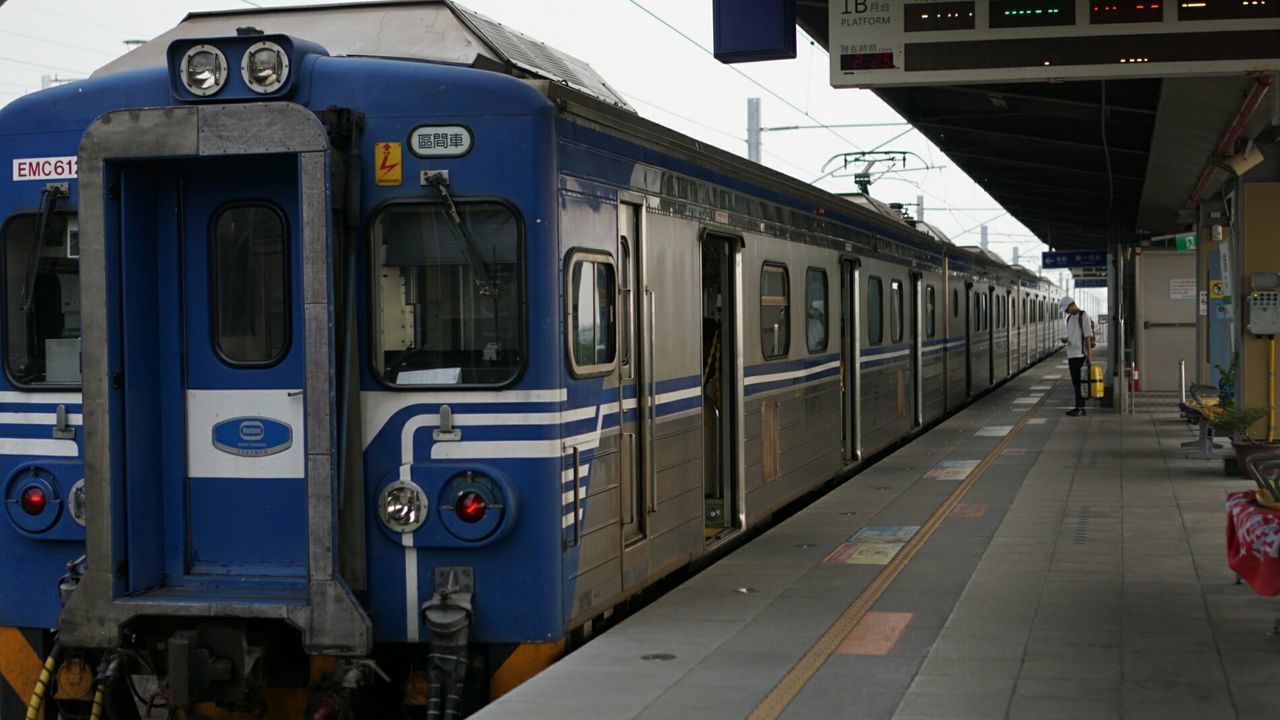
[(875, 310), (895, 310), (250, 285), (955, 303), (977, 311), (775, 310), (931, 311), (449, 294), (592, 294), (42, 300), (815, 303)]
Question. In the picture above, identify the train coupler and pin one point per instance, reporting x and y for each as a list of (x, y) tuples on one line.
[(448, 616), (210, 664)]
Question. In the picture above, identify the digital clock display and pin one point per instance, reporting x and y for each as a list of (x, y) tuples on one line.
[(867, 61)]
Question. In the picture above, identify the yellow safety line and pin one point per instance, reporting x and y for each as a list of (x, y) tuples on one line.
[(794, 681), (19, 662)]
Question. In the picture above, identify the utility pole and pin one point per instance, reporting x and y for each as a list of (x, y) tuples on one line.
[(983, 242), (1015, 254), (920, 208), (753, 129)]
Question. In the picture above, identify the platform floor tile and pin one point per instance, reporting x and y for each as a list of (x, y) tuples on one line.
[(1093, 585)]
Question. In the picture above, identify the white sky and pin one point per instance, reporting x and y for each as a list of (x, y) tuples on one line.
[(666, 77)]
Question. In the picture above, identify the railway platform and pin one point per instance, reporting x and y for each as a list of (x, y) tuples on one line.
[(1010, 563)]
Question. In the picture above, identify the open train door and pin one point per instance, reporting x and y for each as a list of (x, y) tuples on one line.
[(970, 314), (210, 455), (917, 349), (850, 351), (721, 383), (990, 316)]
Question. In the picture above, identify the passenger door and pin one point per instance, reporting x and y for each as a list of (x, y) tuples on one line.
[(634, 404), (850, 352), (917, 349), (213, 344)]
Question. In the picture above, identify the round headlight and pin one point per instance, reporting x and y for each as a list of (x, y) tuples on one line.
[(403, 506), (204, 70), (265, 67)]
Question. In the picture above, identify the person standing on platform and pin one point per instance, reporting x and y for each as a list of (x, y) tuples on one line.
[(1079, 340)]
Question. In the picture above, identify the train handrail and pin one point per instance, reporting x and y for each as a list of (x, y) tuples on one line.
[(710, 402)]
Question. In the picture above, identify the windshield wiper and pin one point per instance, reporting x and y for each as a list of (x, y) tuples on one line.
[(484, 280), (48, 201)]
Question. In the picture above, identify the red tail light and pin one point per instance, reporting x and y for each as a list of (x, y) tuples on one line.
[(471, 506), (34, 501)]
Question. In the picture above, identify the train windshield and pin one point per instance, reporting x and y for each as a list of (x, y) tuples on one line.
[(449, 294), (42, 300)]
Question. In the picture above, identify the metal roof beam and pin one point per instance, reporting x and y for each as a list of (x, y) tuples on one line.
[(1039, 166), (1028, 138), (1043, 99)]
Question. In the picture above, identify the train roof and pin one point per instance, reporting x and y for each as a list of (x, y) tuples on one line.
[(439, 31)]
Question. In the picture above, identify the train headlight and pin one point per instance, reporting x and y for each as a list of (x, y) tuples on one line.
[(34, 500), (472, 506), (203, 70), (265, 67), (403, 506)]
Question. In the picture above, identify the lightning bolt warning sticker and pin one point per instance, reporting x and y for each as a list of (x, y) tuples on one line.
[(387, 165)]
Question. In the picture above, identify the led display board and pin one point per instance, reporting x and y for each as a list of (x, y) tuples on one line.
[(753, 30), (892, 42)]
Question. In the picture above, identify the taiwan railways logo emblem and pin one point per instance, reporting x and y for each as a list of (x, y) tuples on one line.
[(252, 436)]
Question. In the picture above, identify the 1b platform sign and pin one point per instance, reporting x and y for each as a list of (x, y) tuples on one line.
[(900, 42)]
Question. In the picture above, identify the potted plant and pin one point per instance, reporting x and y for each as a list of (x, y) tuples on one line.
[(1227, 381), (1234, 422)]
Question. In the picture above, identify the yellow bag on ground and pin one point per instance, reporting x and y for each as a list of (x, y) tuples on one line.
[(1095, 381)]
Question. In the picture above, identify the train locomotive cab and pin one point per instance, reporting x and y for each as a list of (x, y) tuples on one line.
[(307, 306)]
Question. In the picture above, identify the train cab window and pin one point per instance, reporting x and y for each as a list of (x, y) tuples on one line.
[(875, 310), (42, 300), (895, 310), (592, 295), (931, 311), (815, 304), (775, 311), (250, 285), (448, 295)]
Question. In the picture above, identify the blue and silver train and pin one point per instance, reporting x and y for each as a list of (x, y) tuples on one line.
[(358, 355)]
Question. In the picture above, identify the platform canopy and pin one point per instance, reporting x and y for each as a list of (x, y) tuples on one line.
[(1080, 157)]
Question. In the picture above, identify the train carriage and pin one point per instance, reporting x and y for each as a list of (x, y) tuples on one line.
[(417, 348)]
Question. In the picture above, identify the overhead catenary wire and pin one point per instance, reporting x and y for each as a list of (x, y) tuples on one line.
[(78, 18), (56, 43), (737, 70), (712, 128), (44, 66)]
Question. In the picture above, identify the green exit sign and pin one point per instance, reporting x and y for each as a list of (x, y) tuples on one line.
[(1186, 241)]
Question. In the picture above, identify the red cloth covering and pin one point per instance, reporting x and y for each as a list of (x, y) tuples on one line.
[(1253, 542)]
